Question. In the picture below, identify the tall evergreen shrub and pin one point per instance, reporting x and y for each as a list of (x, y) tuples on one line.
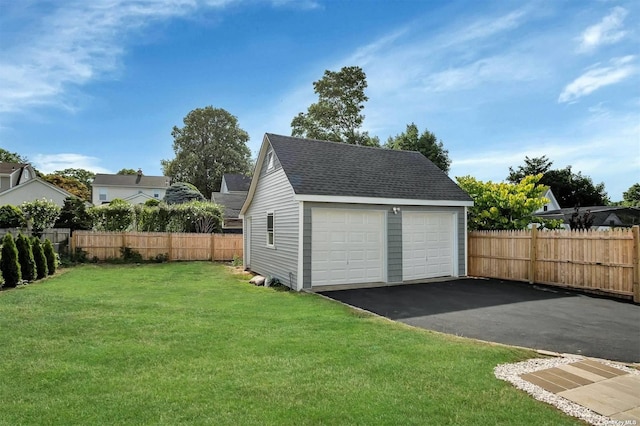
[(50, 254), (9, 262), (40, 258), (25, 258)]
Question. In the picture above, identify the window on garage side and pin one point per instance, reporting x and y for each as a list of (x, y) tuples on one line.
[(270, 229)]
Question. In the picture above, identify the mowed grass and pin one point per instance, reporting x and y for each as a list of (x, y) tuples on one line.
[(191, 343)]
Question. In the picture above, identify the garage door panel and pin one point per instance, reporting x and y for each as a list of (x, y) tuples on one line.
[(427, 240), (354, 248)]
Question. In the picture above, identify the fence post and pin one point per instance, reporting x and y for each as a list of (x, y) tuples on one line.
[(533, 248), (213, 247), (72, 244), (635, 230), (170, 251)]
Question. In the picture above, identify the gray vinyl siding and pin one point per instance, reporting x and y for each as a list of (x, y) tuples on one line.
[(459, 228), (274, 193)]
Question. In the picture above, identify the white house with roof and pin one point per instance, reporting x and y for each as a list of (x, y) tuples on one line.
[(19, 183), (135, 189), (323, 214)]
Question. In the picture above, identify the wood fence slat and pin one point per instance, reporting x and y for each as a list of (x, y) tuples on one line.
[(603, 261), (176, 246)]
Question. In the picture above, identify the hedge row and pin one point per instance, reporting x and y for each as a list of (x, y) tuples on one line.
[(25, 260)]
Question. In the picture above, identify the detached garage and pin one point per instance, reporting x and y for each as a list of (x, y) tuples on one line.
[(321, 214)]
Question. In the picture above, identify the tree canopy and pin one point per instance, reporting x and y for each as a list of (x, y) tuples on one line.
[(570, 189), (426, 143), (127, 172), (631, 197), (11, 157), (182, 192), (71, 185), (337, 116), (209, 144), (498, 206)]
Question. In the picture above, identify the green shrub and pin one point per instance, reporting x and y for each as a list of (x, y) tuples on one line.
[(41, 214), (151, 203), (50, 254), (25, 258), (42, 269), (130, 255), (116, 216), (74, 215), (11, 217), (9, 262), (182, 192), (160, 258)]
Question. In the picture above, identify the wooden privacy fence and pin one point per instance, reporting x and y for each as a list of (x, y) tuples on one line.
[(177, 246), (603, 261)]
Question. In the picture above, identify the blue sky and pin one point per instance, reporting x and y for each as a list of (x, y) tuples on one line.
[(99, 84)]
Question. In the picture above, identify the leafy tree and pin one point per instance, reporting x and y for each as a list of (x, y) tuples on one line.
[(70, 184), (574, 189), (11, 157), (82, 175), (502, 205), (210, 144), (532, 167), (25, 258), (631, 197), (11, 217), (426, 143), (50, 254), (337, 116), (40, 259), (116, 216), (9, 262), (570, 189), (127, 172), (41, 214), (181, 192), (74, 215)]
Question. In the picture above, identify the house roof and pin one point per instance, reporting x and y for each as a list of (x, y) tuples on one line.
[(131, 180), (232, 203), (601, 214), (316, 167), (8, 168), (237, 182), (25, 187)]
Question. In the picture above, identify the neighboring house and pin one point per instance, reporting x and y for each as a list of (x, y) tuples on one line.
[(233, 193), (19, 183), (323, 214), (551, 205), (604, 217), (135, 189)]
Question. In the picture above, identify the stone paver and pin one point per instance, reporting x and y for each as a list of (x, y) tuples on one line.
[(606, 390)]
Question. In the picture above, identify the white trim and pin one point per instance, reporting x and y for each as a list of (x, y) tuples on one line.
[(273, 230), (456, 246), (246, 242), (300, 277), (374, 200), (466, 244)]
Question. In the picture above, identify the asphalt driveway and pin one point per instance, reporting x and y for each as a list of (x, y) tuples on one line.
[(513, 313)]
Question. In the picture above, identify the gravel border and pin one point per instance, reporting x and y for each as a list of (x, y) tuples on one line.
[(511, 373)]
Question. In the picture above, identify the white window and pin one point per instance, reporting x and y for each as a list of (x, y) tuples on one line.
[(270, 229), (270, 160), (103, 194)]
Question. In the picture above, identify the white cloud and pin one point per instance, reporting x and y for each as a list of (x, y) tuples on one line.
[(77, 42), (47, 163), (607, 31), (597, 77)]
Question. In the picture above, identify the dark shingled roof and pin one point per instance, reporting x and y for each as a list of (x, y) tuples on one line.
[(316, 167), (8, 168), (232, 203), (237, 182), (132, 180)]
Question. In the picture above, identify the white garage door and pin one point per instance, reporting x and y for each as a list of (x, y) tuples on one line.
[(427, 245), (347, 246)]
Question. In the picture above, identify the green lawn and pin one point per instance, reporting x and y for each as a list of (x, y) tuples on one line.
[(191, 343)]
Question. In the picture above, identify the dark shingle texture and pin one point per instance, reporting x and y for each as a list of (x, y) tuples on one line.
[(329, 168), (8, 168), (132, 180), (237, 182), (232, 203)]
